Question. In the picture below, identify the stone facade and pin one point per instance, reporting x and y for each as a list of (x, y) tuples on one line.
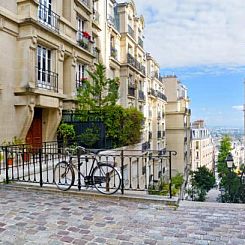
[(47, 47), (202, 146)]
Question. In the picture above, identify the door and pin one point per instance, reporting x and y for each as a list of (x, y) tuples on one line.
[(34, 135)]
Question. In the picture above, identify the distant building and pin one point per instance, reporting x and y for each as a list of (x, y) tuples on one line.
[(202, 146)]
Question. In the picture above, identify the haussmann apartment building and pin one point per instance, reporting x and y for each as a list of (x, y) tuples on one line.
[(47, 46)]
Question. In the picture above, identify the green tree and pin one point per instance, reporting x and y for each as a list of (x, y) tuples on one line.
[(202, 181), (99, 96), (225, 148), (97, 92)]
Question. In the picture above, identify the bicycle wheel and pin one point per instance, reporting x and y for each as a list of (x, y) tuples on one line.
[(64, 176), (106, 179)]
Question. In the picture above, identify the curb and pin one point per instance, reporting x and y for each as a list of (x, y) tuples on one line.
[(153, 200)]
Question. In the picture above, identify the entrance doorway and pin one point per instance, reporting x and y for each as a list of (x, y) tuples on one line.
[(34, 135)]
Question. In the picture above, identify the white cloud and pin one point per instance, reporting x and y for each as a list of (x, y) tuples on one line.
[(194, 32), (238, 107)]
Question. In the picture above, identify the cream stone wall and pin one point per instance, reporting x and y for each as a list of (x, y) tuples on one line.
[(178, 124)]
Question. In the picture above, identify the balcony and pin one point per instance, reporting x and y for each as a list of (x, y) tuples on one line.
[(136, 64), (84, 40), (141, 95), (131, 32), (131, 91), (152, 92), (140, 42), (48, 18), (46, 80), (161, 96), (112, 21), (114, 53), (96, 17)]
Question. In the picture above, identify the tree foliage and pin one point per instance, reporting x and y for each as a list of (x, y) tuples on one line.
[(98, 91), (99, 96), (225, 148), (202, 180)]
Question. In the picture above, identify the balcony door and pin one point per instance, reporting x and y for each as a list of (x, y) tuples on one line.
[(43, 67)]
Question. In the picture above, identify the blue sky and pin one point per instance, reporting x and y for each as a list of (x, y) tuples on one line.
[(203, 43)]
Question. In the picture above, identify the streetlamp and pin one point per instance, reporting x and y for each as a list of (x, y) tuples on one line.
[(229, 162)]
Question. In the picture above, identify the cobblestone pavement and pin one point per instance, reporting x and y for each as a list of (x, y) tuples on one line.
[(28, 217)]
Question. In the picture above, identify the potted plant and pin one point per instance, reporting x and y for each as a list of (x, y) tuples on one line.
[(11, 148)]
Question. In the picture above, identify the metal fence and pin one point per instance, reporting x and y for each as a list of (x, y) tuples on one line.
[(139, 170)]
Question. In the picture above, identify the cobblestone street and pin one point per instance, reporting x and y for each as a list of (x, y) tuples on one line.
[(30, 217)]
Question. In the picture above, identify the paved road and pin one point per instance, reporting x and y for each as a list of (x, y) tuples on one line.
[(28, 217)]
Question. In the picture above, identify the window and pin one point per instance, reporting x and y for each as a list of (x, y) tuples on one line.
[(80, 74), (80, 24), (45, 11), (45, 77), (43, 66)]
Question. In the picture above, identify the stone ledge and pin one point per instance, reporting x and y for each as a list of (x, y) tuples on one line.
[(157, 202)]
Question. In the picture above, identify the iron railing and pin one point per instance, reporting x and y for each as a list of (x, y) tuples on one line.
[(46, 80), (140, 169), (48, 17), (161, 96), (136, 64), (84, 41), (152, 92)]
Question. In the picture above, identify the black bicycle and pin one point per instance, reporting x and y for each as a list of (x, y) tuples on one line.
[(101, 175)]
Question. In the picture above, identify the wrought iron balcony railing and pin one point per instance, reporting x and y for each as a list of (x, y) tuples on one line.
[(136, 64), (152, 92), (46, 80), (161, 95), (84, 40), (49, 18)]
